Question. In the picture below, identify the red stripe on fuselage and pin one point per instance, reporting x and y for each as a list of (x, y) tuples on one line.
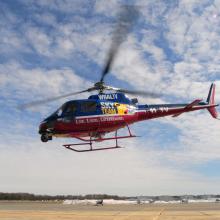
[(96, 123)]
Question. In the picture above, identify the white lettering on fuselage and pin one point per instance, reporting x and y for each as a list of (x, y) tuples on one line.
[(97, 120), (153, 110), (112, 118), (108, 96), (92, 120), (160, 109), (107, 104), (163, 109)]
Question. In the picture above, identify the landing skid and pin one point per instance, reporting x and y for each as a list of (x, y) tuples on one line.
[(90, 143)]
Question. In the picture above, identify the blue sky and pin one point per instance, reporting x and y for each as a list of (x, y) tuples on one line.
[(49, 48)]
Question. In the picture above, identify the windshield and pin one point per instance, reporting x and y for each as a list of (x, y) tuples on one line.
[(59, 111), (66, 110)]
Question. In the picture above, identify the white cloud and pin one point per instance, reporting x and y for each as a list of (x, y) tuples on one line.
[(65, 6), (198, 141), (23, 84), (107, 8), (192, 35), (39, 40), (129, 171), (131, 67), (46, 18)]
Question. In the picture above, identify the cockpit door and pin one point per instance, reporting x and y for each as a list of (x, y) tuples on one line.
[(89, 108), (70, 111)]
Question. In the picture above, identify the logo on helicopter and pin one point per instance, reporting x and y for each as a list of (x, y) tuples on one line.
[(108, 96)]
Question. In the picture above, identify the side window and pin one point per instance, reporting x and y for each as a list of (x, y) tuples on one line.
[(87, 107), (70, 109)]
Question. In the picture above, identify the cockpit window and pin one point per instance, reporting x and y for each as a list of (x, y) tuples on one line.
[(88, 106), (59, 111), (70, 108)]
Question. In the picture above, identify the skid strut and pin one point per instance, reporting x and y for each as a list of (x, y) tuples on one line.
[(90, 142)]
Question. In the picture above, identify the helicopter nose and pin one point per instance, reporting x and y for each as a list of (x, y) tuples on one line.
[(47, 126), (43, 127)]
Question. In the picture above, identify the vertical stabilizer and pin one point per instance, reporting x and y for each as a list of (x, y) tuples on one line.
[(211, 101)]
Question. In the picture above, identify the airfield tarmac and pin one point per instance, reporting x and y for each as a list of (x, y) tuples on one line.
[(58, 211)]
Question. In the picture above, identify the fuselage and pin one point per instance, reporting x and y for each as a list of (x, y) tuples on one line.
[(104, 113)]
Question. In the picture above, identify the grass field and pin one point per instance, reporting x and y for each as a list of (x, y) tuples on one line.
[(55, 211)]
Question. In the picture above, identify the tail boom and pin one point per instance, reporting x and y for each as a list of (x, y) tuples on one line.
[(160, 110)]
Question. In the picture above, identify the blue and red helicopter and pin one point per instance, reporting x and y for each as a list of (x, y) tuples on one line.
[(89, 120)]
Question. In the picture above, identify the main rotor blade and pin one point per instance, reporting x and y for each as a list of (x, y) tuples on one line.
[(135, 92), (141, 93), (44, 101), (127, 17)]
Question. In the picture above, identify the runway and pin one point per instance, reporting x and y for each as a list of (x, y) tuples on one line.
[(58, 211)]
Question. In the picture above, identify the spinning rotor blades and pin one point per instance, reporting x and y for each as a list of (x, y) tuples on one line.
[(134, 92), (127, 17), (44, 101), (126, 20)]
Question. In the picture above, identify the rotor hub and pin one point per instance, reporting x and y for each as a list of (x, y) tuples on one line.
[(100, 86)]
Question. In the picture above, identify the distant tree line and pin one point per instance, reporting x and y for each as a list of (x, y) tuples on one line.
[(33, 197), (179, 197)]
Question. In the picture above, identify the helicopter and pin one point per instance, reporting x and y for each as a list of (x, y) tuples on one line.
[(89, 120)]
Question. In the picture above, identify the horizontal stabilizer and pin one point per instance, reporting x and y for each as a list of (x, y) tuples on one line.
[(189, 106), (195, 102)]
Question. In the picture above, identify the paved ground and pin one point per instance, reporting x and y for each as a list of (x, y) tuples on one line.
[(57, 211)]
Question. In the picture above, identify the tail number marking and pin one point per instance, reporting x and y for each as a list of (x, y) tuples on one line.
[(160, 109)]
